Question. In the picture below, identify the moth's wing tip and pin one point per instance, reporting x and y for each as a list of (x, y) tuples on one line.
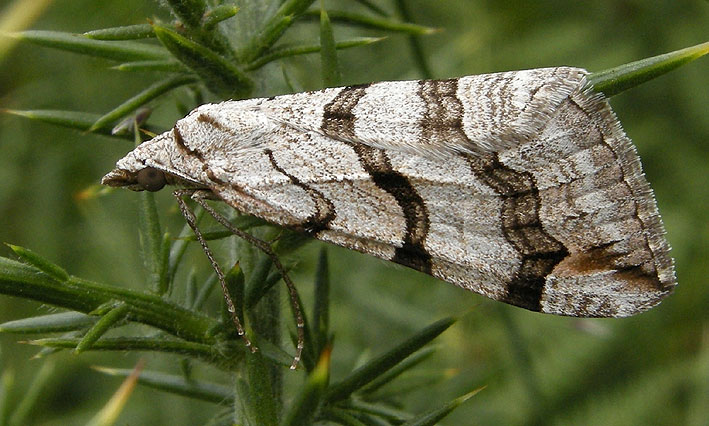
[(614, 294)]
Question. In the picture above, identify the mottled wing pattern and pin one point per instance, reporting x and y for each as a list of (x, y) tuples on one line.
[(520, 186)]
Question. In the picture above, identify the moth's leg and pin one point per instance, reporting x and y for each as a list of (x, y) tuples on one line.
[(266, 248), (192, 222)]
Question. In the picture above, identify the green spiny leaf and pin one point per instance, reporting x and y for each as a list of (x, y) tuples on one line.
[(405, 365), (257, 280), (19, 279), (220, 75), (217, 15), (262, 404), (150, 236), (108, 320), (235, 283), (116, 50), (46, 351), (44, 265), (615, 80), (71, 119), (205, 352), (262, 288), (22, 280), (157, 89), (53, 323), (152, 66), (378, 366), (328, 53), (434, 416), (128, 32), (287, 51), (364, 21)]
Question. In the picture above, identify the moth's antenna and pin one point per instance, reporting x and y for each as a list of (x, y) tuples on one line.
[(192, 222), (266, 248)]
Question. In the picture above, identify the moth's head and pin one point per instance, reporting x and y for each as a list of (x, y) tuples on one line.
[(152, 165), (145, 179)]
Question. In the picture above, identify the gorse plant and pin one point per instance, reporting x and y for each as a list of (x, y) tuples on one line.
[(198, 51)]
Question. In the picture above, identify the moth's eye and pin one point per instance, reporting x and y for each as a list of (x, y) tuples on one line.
[(151, 179)]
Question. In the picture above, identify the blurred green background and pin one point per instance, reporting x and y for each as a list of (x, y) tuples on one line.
[(649, 369)]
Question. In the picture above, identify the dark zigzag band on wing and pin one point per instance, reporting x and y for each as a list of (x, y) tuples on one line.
[(522, 228), (324, 209), (442, 120), (412, 253), (338, 118), (339, 121), (520, 222)]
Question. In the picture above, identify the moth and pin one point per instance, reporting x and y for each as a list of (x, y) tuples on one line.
[(520, 186)]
